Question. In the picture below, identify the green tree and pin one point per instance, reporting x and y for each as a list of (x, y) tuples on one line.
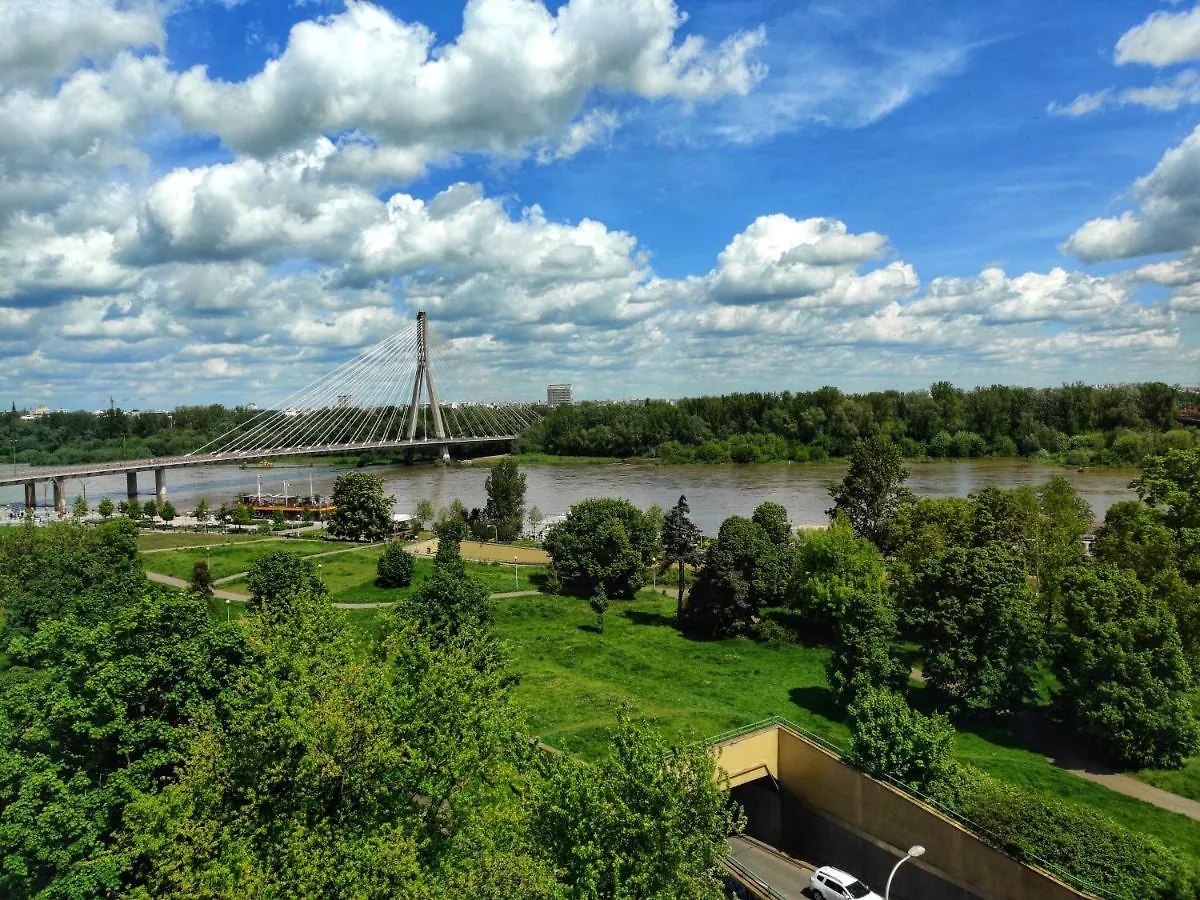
[(395, 566), (444, 606), (335, 776), (602, 542), (79, 509), (649, 821), (928, 526), (862, 656), (535, 518), (277, 519), (202, 512), (96, 703), (202, 580), (831, 566), (450, 534), (1125, 682), (1171, 483), (1064, 518), (243, 516), (732, 583), (1133, 536), (599, 605), (887, 737), (150, 509), (680, 540), (873, 488), (505, 509), (167, 511), (773, 519), (423, 513), (279, 580), (975, 618), (363, 513), (105, 508)]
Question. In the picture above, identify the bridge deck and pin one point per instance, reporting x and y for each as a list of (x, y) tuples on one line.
[(84, 470)]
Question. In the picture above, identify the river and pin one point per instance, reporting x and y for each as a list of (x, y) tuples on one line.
[(714, 492)]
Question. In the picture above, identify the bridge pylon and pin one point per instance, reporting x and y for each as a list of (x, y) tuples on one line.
[(425, 377)]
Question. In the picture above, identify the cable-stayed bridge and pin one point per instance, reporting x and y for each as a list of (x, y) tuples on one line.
[(383, 399)]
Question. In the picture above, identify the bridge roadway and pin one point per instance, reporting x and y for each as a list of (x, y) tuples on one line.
[(59, 474)]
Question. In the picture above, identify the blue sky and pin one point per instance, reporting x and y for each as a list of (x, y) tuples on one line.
[(216, 201)]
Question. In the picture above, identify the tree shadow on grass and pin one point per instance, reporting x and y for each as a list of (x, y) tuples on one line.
[(641, 617), (817, 700), (594, 629)]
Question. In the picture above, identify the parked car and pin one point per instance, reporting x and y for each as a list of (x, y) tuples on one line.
[(829, 883)]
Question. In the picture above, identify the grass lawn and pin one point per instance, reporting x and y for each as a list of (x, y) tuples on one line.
[(572, 678), (224, 561), (159, 540)]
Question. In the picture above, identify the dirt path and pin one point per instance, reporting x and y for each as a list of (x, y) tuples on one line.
[(171, 581), (478, 551)]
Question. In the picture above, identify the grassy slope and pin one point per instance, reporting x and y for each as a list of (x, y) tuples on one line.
[(573, 677)]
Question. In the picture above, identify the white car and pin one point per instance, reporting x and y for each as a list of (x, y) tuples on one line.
[(829, 883)]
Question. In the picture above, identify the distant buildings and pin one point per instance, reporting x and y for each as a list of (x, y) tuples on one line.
[(558, 395), (40, 413)]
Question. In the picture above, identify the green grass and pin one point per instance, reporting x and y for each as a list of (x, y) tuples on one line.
[(572, 679), (224, 561), (158, 540)]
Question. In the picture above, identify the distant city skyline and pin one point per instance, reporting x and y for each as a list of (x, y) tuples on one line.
[(206, 202)]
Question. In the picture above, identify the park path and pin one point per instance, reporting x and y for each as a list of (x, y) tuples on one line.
[(235, 597), (236, 575), (1062, 756)]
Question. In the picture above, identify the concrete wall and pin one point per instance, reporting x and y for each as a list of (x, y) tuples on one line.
[(865, 826)]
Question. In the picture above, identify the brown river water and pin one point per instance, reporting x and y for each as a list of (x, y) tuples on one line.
[(713, 492)]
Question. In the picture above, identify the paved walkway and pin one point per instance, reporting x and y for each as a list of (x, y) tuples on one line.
[(234, 597), (236, 575), (1062, 756)]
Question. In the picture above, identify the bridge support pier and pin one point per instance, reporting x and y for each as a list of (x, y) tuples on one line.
[(60, 496), (131, 486), (31, 495), (160, 486), (445, 454)]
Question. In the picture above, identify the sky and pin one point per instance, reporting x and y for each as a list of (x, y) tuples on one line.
[(219, 201)]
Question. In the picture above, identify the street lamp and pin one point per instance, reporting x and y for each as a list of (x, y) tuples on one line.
[(913, 852), (227, 602), (516, 584)]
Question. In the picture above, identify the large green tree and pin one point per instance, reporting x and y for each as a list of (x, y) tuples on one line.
[(888, 737), (649, 821), (831, 565), (606, 542), (680, 540), (873, 488), (363, 513), (395, 566), (743, 570), (1125, 682), (505, 509), (977, 623), (1171, 484), (863, 656), (97, 699)]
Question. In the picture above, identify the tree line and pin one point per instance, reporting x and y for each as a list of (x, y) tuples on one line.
[(150, 748), (1076, 424)]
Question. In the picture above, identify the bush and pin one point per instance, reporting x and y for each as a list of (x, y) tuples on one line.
[(1071, 837), (771, 634), (395, 567), (890, 738)]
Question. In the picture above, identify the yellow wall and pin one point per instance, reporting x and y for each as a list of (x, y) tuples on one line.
[(884, 815)]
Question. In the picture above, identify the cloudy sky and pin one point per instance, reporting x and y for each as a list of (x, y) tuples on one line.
[(214, 200)]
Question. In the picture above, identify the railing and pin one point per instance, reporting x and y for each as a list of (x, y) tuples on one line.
[(751, 881), (978, 830)]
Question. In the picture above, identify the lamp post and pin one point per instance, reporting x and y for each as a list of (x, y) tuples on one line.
[(227, 601), (496, 532), (913, 852), (516, 584), (13, 441)]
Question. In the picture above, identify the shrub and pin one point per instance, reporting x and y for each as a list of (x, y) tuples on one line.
[(1071, 837), (395, 567), (888, 737), (771, 634)]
